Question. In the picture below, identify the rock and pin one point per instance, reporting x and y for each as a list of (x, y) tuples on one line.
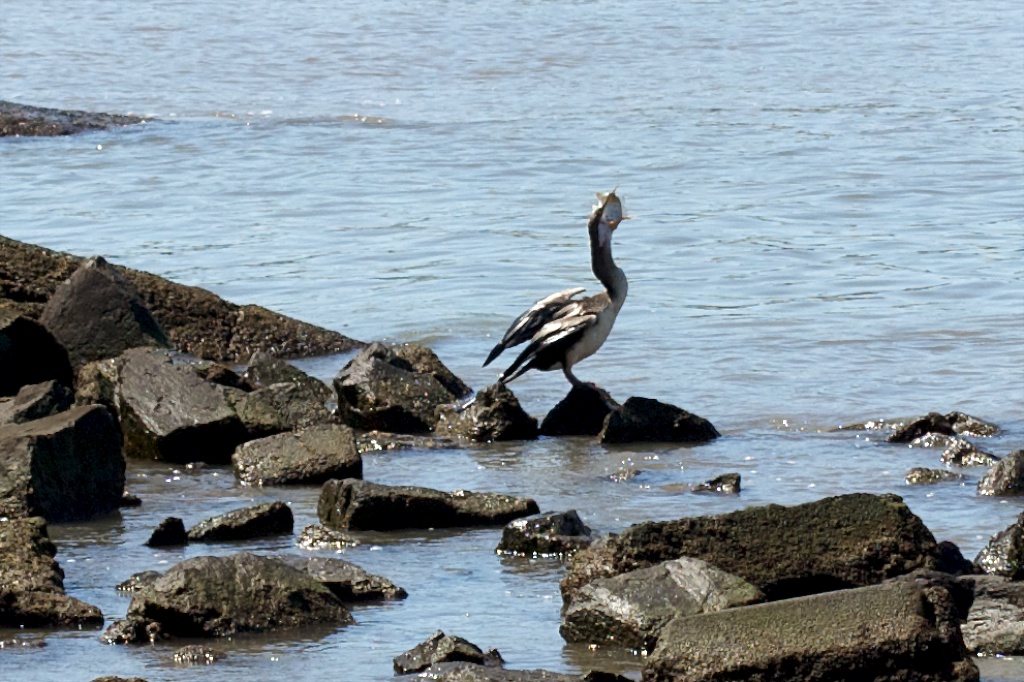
[(285, 398), (956, 451), (1005, 478), (377, 441), (308, 456), (1004, 554), (899, 631), (951, 561), (98, 314), (463, 671), (494, 415), (646, 420), (22, 120), (423, 360), (139, 581), (923, 476), (264, 369), (630, 609), (115, 678), (216, 373), (96, 384), (580, 413), (35, 401), (64, 467), (130, 500), (170, 533), (966, 425), (197, 654), (380, 390), (995, 623), (321, 537), (442, 648), (169, 413), (350, 583), (550, 534), (32, 583), (726, 483), (352, 504), (29, 354), (833, 543), (933, 422), (259, 521), (624, 474), (223, 596)]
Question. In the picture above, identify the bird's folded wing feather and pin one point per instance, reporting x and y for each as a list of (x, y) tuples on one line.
[(526, 325), (547, 343)]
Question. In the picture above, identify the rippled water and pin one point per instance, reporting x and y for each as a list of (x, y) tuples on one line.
[(828, 225)]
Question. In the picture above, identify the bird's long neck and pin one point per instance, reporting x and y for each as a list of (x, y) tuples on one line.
[(612, 277)]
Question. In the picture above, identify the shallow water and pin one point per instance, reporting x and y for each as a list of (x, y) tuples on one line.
[(828, 209)]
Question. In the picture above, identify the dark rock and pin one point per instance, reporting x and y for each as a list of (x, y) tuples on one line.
[(170, 533), (308, 456), (550, 534), (624, 474), (646, 420), (380, 390), (950, 560), (995, 624), (956, 451), (463, 671), (899, 631), (22, 120), (580, 413), (423, 360), (966, 425), (169, 413), (494, 415), (1005, 478), (377, 441), (726, 483), (630, 609), (442, 648), (22, 643), (321, 537), (352, 504), (139, 581), (132, 630), (65, 467), (264, 369), (258, 521), (923, 476), (115, 678), (98, 314), (35, 401), (350, 583), (283, 407), (198, 654), (833, 543), (32, 583), (223, 596), (933, 422), (130, 500), (29, 354), (218, 374), (1004, 554)]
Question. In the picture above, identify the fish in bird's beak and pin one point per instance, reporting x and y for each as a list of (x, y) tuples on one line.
[(611, 209)]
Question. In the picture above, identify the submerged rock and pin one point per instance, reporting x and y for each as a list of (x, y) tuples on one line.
[(304, 457), (29, 354), (377, 441), (138, 581), (995, 623), (726, 483), (494, 415), (35, 401), (442, 648), (966, 425), (550, 534), (321, 537), (1005, 478), (22, 120), (646, 420), (170, 533), (580, 413), (350, 583), (923, 476), (352, 504), (933, 422), (1004, 554), (262, 520), (198, 654), (956, 451)]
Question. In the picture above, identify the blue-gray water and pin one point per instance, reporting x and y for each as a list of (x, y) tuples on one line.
[(828, 226)]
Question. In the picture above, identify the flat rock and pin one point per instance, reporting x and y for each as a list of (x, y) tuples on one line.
[(899, 631), (98, 314), (580, 413), (170, 413), (1004, 553), (65, 467), (923, 476), (494, 415), (1005, 478), (833, 543), (379, 389), (549, 534), (28, 352), (35, 401), (170, 533), (22, 120), (224, 596), (32, 583), (647, 420), (261, 520), (630, 609), (308, 456), (352, 504), (350, 583), (321, 537), (995, 623), (726, 483), (442, 648)]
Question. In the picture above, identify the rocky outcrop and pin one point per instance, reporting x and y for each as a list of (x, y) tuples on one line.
[(630, 609), (170, 533), (350, 583), (32, 583), (494, 415), (580, 413), (1004, 553), (28, 352), (308, 456), (65, 467), (97, 314), (899, 631), (442, 648), (550, 534), (1005, 478), (995, 623), (380, 389), (224, 596), (726, 483), (22, 120), (647, 420), (35, 401), (834, 543), (351, 504), (261, 520), (923, 476)]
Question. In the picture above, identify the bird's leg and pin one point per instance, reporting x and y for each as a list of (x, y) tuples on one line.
[(576, 383)]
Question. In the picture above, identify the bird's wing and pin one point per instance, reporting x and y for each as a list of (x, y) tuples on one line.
[(527, 324), (549, 344)]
